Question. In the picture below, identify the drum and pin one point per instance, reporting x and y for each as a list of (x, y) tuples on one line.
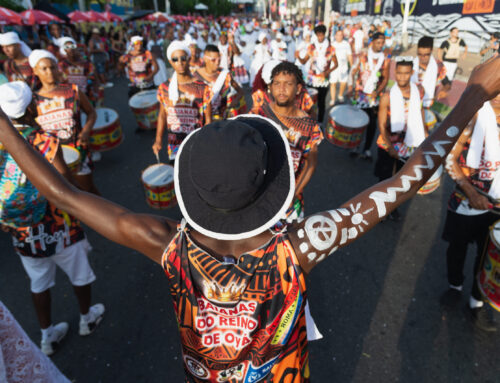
[(346, 126), (430, 119), (489, 276), (145, 107), (433, 183), (313, 93), (71, 157), (158, 181), (107, 131)]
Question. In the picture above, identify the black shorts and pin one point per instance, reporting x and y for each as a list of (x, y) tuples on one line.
[(386, 166)]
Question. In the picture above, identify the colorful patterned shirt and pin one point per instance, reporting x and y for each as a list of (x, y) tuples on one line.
[(240, 322), (318, 62), (303, 101), (21, 203), (219, 105), (362, 99), (59, 114), (56, 231), (303, 134), (139, 67), (21, 72), (481, 178), (79, 74), (187, 114)]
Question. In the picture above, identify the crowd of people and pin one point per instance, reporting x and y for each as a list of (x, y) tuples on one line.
[(239, 182)]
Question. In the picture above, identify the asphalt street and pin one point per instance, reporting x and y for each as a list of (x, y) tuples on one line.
[(376, 302)]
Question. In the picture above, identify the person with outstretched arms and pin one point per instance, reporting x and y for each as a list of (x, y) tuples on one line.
[(239, 288)]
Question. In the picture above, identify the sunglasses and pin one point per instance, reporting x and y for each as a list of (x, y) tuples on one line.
[(70, 46), (212, 59), (182, 58), (400, 59)]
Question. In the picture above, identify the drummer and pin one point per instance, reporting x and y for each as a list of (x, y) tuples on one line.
[(76, 70), (220, 82), (17, 66), (185, 102), (429, 72), (370, 77), (401, 123), (302, 131), (474, 164), (141, 67), (59, 106)]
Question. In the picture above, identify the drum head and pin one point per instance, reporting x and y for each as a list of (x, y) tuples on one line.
[(437, 174), (105, 117), (495, 234), (349, 116), (143, 99), (158, 175), (70, 154), (312, 91)]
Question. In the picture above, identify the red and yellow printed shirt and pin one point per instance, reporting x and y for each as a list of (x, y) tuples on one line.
[(139, 67), (219, 105), (77, 73), (21, 72), (59, 114), (187, 114), (240, 322), (317, 65), (303, 101)]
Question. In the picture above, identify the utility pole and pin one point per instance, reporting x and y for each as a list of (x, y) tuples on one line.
[(155, 3), (405, 25), (313, 12), (81, 5), (328, 11)]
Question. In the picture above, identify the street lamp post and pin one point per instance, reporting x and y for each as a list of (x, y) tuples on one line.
[(405, 25)]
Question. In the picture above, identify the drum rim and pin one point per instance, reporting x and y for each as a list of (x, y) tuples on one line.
[(72, 149), (155, 165), (153, 93), (352, 108), (492, 235)]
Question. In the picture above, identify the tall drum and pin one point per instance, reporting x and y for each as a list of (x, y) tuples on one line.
[(489, 276), (346, 126), (146, 108)]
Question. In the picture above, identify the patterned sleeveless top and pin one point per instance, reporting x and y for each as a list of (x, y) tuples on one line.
[(21, 72), (80, 73), (59, 114), (240, 322)]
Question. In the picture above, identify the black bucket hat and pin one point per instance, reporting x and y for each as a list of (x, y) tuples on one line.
[(234, 179)]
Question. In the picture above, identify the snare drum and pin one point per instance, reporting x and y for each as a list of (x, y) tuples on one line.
[(489, 276), (107, 131), (145, 107), (430, 119), (158, 181), (346, 126), (433, 183), (71, 157)]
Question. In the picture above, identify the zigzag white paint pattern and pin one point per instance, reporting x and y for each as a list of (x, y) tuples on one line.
[(381, 198)]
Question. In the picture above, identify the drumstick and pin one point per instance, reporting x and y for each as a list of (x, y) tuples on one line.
[(157, 157)]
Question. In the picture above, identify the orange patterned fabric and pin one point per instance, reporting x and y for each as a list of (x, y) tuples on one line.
[(240, 322)]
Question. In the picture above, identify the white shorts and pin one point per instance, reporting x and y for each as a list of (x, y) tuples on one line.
[(450, 69), (340, 74), (72, 260)]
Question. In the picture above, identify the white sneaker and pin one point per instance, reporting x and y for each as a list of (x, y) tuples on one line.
[(50, 344), (96, 312)]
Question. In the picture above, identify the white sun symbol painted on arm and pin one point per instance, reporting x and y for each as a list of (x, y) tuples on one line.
[(357, 221)]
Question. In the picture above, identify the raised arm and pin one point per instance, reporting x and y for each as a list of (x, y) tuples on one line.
[(144, 233), (322, 234)]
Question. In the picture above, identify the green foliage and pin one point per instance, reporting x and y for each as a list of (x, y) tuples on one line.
[(10, 4), (182, 7)]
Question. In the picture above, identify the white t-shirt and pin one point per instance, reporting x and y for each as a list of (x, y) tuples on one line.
[(358, 37), (342, 50), (278, 50)]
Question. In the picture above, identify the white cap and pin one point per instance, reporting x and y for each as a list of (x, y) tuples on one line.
[(15, 97)]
